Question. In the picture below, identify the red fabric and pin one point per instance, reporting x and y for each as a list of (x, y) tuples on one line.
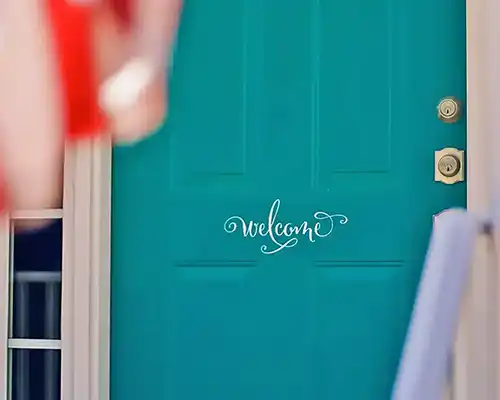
[(71, 27)]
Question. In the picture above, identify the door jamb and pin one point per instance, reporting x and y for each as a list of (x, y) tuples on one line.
[(91, 242), (477, 350)]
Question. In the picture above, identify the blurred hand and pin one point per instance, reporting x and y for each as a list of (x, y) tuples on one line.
[(132, 66), (32, 133)]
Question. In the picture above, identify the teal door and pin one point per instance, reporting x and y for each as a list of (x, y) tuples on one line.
[(330, 108)]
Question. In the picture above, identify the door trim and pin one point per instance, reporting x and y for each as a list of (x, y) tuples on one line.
[(91, 244), (477, 350)]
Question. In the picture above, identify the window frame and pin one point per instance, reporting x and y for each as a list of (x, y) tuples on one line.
[(85, 275)]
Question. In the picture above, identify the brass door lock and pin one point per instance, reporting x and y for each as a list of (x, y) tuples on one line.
[(449, 110), (449, 165)]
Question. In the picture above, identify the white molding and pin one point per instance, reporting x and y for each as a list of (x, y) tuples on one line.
[(38, 214), (34, 344), (101, 270), (86, 272), (68, 309), (490, 106), (4, 305), (475, 358)]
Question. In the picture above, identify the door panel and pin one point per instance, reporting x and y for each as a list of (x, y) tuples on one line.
[(325, 106)]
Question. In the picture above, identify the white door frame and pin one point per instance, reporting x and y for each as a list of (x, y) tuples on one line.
[(86, 262), (86, 272), (477, 351)]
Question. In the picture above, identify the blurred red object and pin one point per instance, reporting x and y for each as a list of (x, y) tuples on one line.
[(71, 25), (72, 29), (91, 43), (122, 9)]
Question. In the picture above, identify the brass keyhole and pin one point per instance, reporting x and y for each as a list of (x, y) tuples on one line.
[(449, 165), (449, 110)]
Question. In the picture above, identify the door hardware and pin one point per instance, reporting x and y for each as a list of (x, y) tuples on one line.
[(449, 110), (449, 165)]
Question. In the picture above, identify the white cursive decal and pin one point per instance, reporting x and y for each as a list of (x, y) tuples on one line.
[(323, 227)]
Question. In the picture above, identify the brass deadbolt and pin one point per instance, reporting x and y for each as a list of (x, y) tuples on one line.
[(449, 166), (449, 110)]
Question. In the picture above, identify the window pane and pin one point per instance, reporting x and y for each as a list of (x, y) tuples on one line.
[(36, 288), (36, 374), (35, 314)]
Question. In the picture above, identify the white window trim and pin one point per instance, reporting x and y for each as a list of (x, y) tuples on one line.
[(86, 259), (4, 304), (86, 282)]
